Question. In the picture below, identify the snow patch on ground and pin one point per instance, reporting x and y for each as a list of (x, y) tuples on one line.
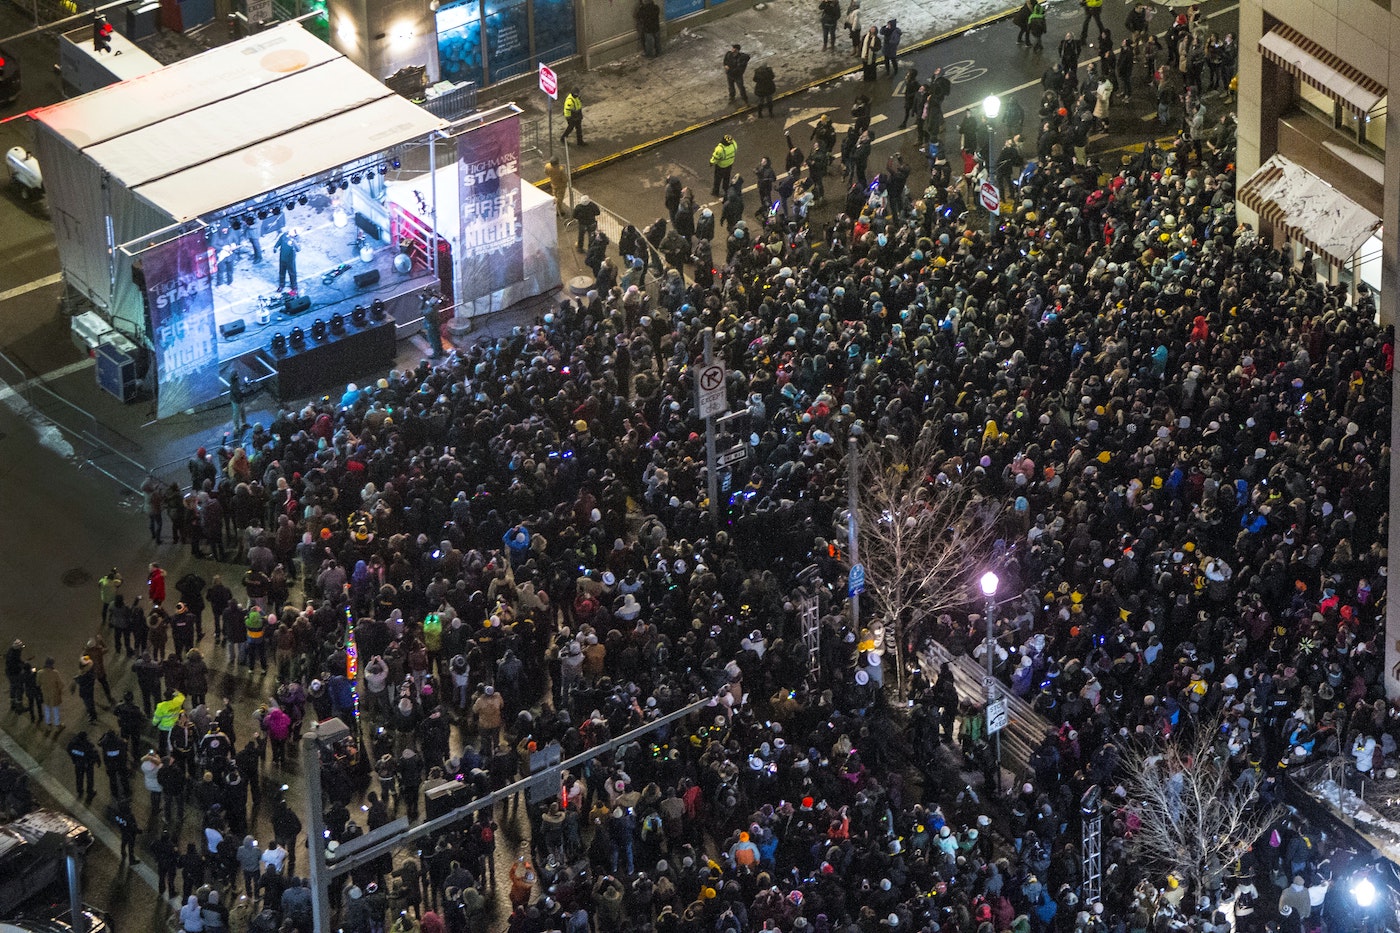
[(45, 431), (618, 104)]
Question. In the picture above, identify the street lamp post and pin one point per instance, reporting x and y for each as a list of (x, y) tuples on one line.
[(989, 584), (991, 106)]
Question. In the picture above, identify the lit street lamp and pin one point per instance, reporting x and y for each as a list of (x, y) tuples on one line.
[(989, 583), (991, 107)]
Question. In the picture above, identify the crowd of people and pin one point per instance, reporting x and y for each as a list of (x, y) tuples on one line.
[(1182, 435)]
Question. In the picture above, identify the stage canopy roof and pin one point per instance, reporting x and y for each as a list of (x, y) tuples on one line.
[(232, 123)]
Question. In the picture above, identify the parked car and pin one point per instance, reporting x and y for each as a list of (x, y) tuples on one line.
[(32, 856)]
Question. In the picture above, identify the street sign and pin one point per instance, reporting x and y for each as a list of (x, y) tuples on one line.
[(856, 585), (732, 455), (996, 716), (709, 385), (991, 197), (549, 82)]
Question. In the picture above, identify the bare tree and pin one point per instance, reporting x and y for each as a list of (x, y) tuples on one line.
[(922, 542), (1196, 820)]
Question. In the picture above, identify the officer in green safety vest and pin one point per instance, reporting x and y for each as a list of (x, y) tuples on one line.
[(573, 116), (726, 151), (1092, 9), (167, 713)]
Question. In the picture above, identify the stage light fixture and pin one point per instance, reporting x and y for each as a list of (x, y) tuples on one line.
[(276, 209), (318, 329), (279, 343), (344, 184), (291, 204), (356, 178), (395, 163), (330, 190), (359, 315), (249, 219), (235, 225), (262, 213), (302, 200), (337, 323), (297, 337), (376, 309)]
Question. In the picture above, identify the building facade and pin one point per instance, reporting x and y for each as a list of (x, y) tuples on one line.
[(1315, 168)]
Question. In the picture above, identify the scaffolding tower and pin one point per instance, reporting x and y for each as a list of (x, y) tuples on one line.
[(1091, 821)]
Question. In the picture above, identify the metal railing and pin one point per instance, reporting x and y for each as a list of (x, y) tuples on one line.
[(78, 425)]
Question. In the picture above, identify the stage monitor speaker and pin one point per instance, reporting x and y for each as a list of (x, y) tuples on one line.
[(298, 305), (370, 228), (232, 329), (367, 278)]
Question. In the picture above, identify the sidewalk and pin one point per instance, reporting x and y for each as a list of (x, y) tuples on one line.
[(636, 101)]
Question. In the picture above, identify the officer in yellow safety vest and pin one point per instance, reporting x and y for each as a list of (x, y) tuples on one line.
[(573, 115), (726, 151), (1092, 9), (167, 713)]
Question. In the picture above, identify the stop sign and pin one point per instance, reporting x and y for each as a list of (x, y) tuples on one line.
[(991, 197), (549, 82)]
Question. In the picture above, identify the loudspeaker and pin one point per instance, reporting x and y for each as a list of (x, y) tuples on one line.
[(367, 278), (370, 228), (298, 305), (232, 329)]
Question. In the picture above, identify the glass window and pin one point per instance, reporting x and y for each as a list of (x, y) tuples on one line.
[(555, 35), (1317, 102), (675, 9), (508, 38), (459, 43), (1375, 127)]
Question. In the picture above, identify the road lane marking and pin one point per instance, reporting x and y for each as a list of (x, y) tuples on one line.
[(28, 287)]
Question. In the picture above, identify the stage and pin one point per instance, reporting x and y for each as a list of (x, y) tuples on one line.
[(252, 298)]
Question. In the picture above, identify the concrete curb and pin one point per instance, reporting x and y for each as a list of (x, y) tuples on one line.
[(75, 808), (792, 92)]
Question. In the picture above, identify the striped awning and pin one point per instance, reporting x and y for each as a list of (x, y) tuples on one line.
[(1310, 62), (1289, 197)]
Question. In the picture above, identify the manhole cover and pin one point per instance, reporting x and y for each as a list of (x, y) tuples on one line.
[(76, 577)]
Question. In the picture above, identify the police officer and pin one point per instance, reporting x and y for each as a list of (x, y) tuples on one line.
[(84, 755), (117, 764), (573, 116), (129, 721), (125, 819), (726, 151)]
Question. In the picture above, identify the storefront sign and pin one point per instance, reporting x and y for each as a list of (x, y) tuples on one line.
[(180, 290), (493, 242)]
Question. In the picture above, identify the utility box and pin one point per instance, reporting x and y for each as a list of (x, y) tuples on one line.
[(116, 372)]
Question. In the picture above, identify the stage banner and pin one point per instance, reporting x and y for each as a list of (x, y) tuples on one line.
[(493, 230), (180, 291)]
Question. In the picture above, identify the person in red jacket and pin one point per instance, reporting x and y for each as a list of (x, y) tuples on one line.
[(155, 584)]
